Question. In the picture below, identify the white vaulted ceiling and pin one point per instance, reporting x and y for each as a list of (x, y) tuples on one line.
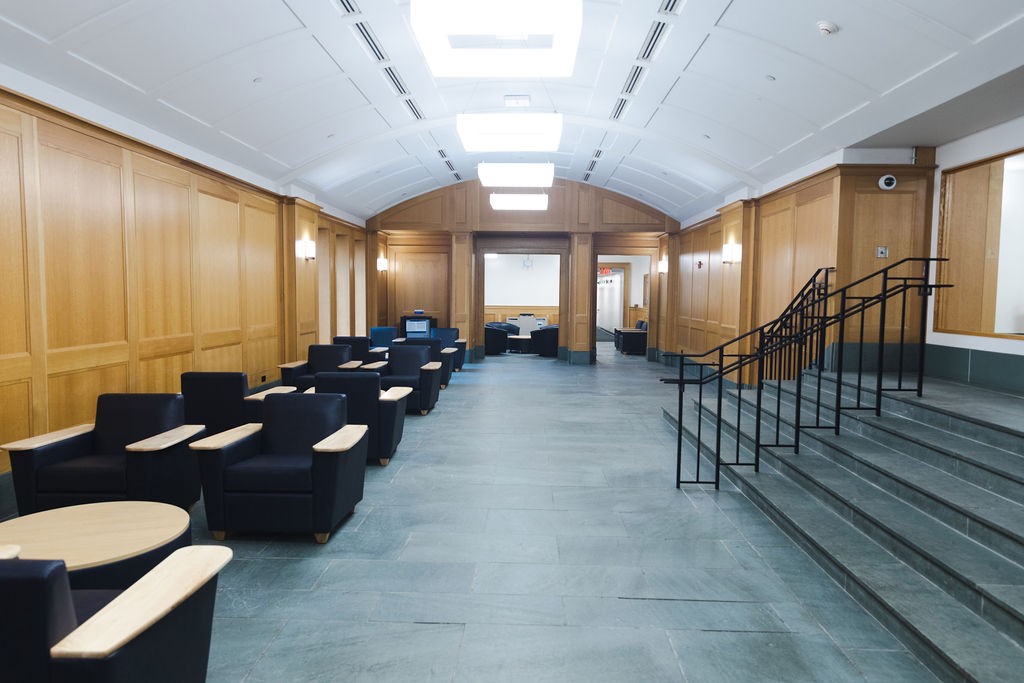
[(732, 95)]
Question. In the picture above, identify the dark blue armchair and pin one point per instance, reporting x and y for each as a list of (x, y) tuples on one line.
[(218, 400), (410, 366), (439, 353), (544, 341), (363, 349), (382, 412), (136, 450), (449, 337), (319, 358), (157, 630), (301, 471)]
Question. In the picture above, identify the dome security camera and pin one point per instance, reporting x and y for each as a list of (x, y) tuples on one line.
[(887, 182)]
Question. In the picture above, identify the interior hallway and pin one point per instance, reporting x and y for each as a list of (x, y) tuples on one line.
[(528, 530)]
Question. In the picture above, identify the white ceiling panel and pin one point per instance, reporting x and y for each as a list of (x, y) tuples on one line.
[(323, 136), (288, 111), (179, 36), (240, 80), (39, 18), (815, 92), (327, 113), (868, 48)]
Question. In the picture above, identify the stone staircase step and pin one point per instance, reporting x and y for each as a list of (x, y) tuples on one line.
[(957, 562), (951, 639)]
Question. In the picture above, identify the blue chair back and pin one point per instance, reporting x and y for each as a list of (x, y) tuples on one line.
[(38, 613), (292, 423), (326, 357), (215, 399), (383, 336), (360, 346), (124, 418), (407, 359)]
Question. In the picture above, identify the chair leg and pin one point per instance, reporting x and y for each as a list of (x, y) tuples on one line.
[(424, 412), (322, 538), (219, 535), (384, 462)]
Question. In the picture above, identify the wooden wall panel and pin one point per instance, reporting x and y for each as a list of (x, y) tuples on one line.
[(775, 267), (498, 314), (262, 310), (218, 241), (83, 237), (814, 237), (13, 255), (419, 280), (163, 374), (971, 206), (16, 411), (72, 395)]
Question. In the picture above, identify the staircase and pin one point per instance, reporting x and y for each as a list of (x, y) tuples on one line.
[(913, 504)]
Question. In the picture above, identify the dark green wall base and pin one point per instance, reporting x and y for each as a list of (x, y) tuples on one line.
[(579, 357), (1003, 371)]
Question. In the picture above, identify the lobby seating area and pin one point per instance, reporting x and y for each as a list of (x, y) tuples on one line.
[(577, 562)]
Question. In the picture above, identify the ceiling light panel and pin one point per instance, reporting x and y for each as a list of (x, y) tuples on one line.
[(498, 38), (516, 175), (509, 132), (519, 202)]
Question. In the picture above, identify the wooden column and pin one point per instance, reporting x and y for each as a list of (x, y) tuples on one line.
[(462, 278), (582, 299)]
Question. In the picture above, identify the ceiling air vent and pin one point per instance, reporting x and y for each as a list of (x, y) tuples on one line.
[(650, 46), (586, 177), (414, 110), (395, 80), (443, 154), (598, 153), (450, 165), (632, 80), (457, 176), (591, 166), (619, 107), (671, 6), (371, 42), (348, 6)]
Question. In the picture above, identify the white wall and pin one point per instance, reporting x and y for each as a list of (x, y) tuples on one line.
[(1010, 282), (993, 141), (521, 280), (639, 266)]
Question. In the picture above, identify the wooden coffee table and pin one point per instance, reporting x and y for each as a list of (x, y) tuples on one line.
[(117, 534)]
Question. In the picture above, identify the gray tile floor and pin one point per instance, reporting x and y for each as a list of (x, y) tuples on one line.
[(529, 530)]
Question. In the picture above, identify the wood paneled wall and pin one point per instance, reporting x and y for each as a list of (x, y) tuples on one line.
[(122, 268), (499, 314)]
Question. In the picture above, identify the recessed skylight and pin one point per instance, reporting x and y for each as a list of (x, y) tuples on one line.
[(498, 38), (519, 202), (509, 132), (516, 175)]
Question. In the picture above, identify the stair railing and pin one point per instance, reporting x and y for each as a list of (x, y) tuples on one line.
[(810, 334)]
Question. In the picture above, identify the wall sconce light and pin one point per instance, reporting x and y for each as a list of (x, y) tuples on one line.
[(305, 249), (663, 264), (731, 252), (382, 263)]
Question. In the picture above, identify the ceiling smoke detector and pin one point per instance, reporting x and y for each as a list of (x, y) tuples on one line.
[(827, 28)]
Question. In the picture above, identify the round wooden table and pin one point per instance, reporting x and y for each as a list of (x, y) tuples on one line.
[(121, 534)]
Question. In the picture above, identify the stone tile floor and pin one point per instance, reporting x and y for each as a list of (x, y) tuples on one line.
[(529, 530)]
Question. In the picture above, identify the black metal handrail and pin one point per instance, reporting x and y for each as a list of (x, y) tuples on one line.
[(799, 339)]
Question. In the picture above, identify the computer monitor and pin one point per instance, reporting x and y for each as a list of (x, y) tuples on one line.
[(417, 328)]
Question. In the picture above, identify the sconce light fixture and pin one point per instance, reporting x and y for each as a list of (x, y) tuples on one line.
[(731, 252), (305, 249), (663, 264), (382, 263)]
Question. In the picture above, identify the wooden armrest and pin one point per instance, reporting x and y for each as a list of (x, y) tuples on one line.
[(260, 395), (48, 438), (172, 437), (351, 365), (449, 349), (341, 440), (379, 349), (460, 341), (9, 552), (398, 339), (374, 366), (395, 393), (226, 438), (293, 364), (144, 603), (432, 365), (311, 390)]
